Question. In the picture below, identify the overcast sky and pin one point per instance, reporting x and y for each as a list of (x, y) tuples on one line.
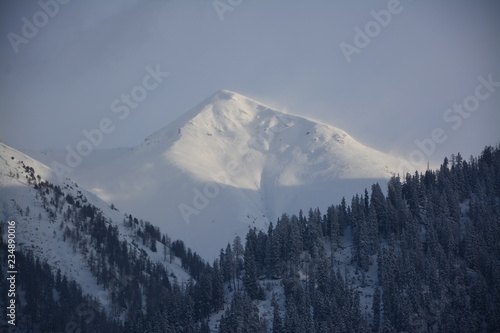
[(395, 90)]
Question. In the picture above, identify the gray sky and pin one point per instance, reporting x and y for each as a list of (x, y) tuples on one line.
[(287, 54)]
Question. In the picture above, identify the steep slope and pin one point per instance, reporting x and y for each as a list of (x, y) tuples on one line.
[(229, 164), (47, 215)]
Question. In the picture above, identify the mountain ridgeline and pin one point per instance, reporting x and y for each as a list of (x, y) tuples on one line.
[(421, 258)]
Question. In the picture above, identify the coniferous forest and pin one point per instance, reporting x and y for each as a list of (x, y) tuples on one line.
[(422, 255)]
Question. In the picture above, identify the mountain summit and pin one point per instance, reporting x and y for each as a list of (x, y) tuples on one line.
[(229, 129), (229, 164)]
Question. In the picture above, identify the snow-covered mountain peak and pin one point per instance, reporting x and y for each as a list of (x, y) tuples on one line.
[(224, 110), (230, 163), (231, 129)]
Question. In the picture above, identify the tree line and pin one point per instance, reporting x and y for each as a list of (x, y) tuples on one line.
[(421, 256)]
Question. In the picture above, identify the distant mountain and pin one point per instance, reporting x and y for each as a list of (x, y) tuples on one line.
[(229, 164)]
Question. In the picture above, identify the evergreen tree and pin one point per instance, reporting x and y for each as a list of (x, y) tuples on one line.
[(250, 277), (277, 322), (376, 310)]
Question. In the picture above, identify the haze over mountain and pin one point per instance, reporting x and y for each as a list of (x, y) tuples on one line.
[(229, 164)]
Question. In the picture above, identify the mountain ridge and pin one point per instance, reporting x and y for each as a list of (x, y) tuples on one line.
[(39, 230)]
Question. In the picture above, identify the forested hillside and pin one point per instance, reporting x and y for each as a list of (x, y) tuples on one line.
[(422, 255)]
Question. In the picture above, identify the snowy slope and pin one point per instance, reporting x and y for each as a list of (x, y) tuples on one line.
[(228, 164), (38, 232)]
